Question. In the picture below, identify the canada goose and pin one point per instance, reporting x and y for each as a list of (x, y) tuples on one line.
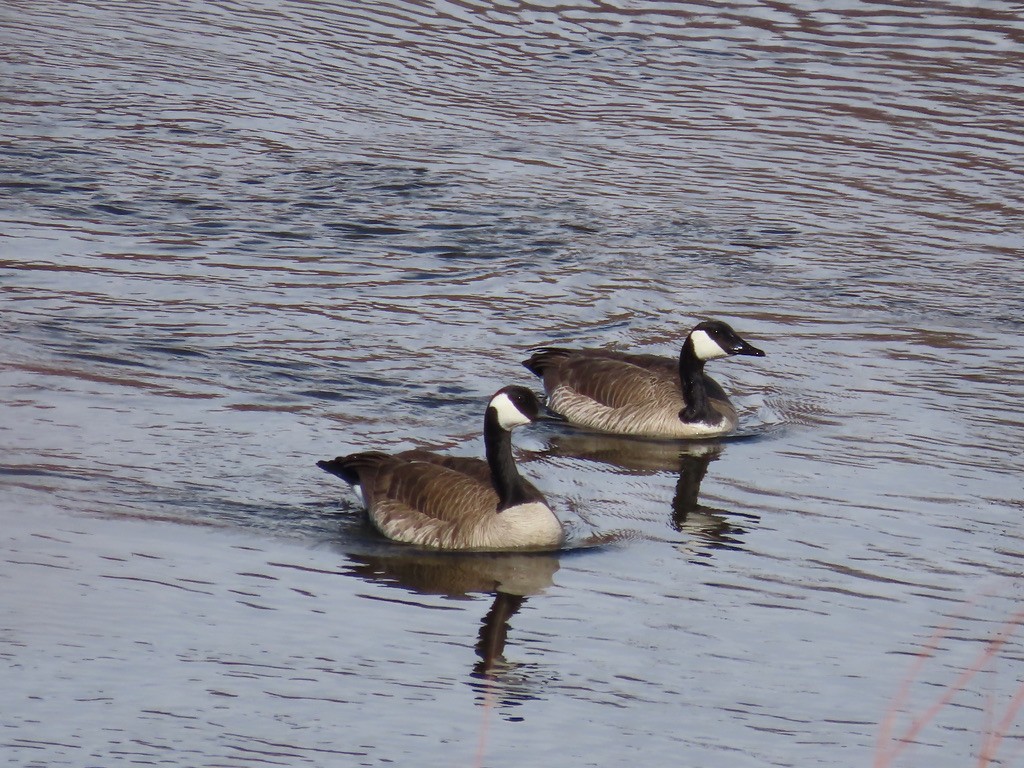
[(449, 502), (644, 395)]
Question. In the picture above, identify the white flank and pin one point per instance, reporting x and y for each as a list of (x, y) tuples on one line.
[(508, 415), (706, 347), (527, 525), (359, 494)]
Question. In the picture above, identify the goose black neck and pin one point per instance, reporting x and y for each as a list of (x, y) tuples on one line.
[(695, 393), (505, 477)]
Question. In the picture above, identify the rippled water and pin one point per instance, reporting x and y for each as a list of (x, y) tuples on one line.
[(239, 238)]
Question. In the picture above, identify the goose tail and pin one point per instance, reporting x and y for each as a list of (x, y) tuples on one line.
[(544, 358), (349, 468)]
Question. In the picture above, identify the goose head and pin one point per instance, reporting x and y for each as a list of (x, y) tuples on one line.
[(712, 339), (514, 406)]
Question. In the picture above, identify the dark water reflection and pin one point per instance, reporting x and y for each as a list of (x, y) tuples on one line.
[(688, 462), (507, 579), (457, 574), (237, 238)]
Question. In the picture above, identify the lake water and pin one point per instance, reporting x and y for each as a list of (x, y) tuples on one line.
[(238, 238)]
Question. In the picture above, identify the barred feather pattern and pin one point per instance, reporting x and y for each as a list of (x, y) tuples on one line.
[(446, 502), (625, 394)]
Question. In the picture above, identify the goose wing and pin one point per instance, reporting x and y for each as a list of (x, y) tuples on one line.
[(475, 468), (668, 369), (419, 485), (619, 381)]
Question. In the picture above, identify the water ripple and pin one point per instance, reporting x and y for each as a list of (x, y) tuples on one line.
[(238, 238)]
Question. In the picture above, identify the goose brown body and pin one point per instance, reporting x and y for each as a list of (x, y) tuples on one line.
[(447, 502), (644, 395)]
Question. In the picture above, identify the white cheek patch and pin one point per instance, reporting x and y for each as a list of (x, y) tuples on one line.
[(508, 415), (705, 347)]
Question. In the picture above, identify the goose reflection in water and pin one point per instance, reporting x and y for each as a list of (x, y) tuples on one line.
[(709, 527), (510, 577)]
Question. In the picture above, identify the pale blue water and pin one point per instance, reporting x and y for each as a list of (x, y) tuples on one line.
[(237, 239)]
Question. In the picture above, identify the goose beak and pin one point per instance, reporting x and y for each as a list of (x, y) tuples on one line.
[(740, 347), (549, 415)]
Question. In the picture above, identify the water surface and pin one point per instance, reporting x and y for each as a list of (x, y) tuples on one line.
[(239, 238)]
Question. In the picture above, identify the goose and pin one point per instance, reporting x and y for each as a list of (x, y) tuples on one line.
[(449, 502), (643, 395)]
